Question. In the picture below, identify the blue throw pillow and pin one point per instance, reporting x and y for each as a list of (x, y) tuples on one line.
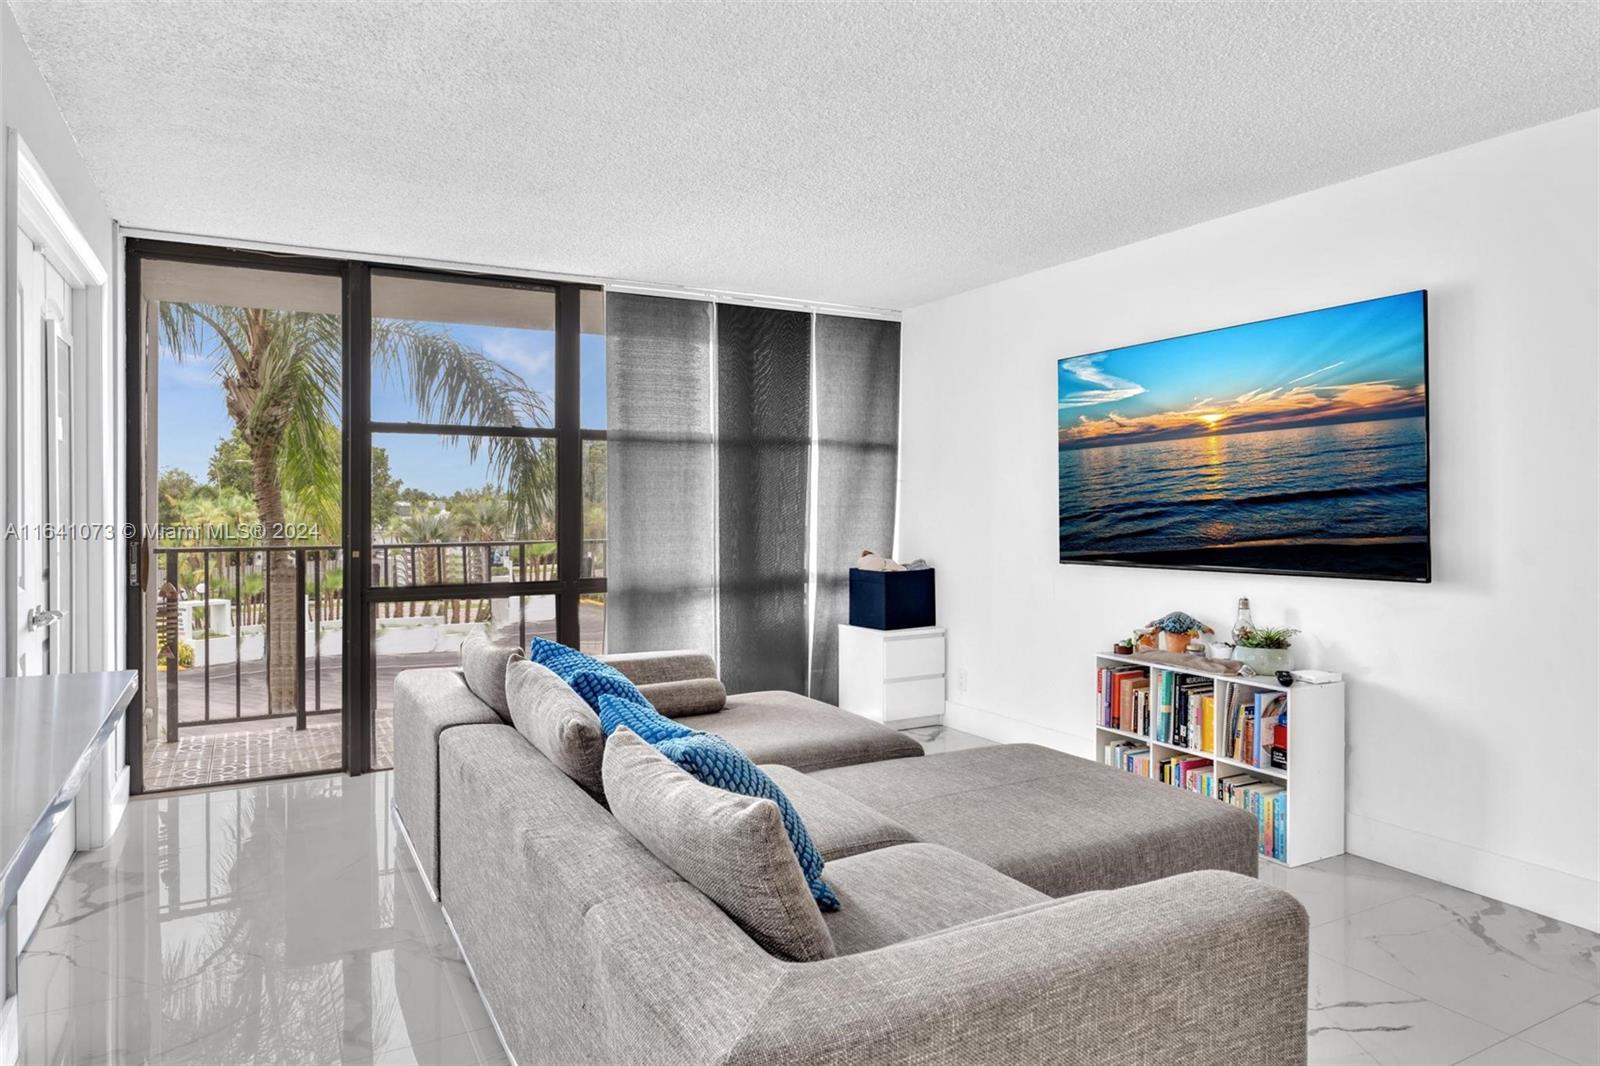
[(713, 761), (589, 677), (649, 724)]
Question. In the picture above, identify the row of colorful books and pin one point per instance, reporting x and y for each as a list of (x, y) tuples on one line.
[(1185, 771), (1187, 715), (1267, 801), (1124, 694), (1258, 728), (1129, 756)]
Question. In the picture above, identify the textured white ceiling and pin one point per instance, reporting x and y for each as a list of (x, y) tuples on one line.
[(868, 154)]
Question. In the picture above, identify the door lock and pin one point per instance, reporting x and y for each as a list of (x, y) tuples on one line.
[(40, 618)]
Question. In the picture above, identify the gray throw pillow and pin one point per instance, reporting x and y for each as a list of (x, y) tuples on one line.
[(556, 721), (483, 664), (678, 699), (732, 848)]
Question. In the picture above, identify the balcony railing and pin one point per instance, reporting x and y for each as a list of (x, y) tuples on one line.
[(215, 646)]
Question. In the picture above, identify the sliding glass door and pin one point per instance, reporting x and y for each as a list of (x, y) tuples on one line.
[(438, 468), (478, 469), (238, 593)]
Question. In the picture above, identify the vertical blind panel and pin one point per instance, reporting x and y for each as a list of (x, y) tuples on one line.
[(858, 418), (763, 463), (660, 475)]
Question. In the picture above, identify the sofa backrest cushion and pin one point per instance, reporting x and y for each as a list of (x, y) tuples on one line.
[(550, 715), (483, 664), (646, 722), (715, 762), (733, 848), (588, 677)]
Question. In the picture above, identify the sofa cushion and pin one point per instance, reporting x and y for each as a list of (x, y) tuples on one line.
[(647, 723), (589, 677), (840, 825), (713, 761), (803, 733), (696, 695), (733, 848), (1053, 821), (661, 667), (912, 890), (483, 664), (563, 727)]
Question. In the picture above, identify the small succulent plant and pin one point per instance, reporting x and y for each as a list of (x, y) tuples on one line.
[(1178, 622), (1266, 637)]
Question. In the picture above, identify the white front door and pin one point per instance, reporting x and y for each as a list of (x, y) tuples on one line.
[(44, 463)]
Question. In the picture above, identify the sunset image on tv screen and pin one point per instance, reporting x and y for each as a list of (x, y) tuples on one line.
[(1292, 445)]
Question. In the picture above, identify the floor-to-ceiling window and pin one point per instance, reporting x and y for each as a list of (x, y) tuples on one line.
[(485, 438), (344, 469)]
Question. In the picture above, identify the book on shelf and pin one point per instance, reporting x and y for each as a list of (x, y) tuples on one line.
[(1166, 689), (1268, 803), (1192, 699), (1184, 771), (1128, 755), (1119, 689), (1272, 716)]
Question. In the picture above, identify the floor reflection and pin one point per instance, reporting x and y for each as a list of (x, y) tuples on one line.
[(277, 922)]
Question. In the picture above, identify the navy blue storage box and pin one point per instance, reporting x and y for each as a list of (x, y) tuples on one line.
[(898, 599)]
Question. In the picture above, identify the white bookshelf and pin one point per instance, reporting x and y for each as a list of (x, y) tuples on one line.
[(1314, 780)]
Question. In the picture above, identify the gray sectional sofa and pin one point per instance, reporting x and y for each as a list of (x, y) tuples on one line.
[(1000, 904)]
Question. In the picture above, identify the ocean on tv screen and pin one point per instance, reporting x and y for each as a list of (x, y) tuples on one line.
[(1296, 444)]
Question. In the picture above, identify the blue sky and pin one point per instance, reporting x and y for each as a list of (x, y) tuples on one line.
[(193, 417), (1359, 361)]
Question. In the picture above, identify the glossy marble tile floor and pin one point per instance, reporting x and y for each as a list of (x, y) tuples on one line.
[(273, 923), (283, 923)]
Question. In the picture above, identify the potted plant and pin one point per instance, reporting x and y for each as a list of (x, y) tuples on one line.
[(1174, 631), (1265, 649)]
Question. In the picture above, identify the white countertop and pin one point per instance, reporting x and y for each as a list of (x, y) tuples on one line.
[(49, 728)]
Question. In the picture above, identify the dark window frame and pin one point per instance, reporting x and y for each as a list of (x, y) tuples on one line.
[(356, 276)]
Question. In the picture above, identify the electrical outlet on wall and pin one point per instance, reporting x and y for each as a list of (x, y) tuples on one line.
[(961, 679)]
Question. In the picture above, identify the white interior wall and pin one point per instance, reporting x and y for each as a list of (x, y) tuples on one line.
[(1472, 717), (27, 107)]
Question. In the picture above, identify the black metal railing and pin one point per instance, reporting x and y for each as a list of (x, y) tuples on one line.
[(470, 562), (213, 604)]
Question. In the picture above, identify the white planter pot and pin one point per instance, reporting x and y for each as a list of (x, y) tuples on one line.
[(1265, 660)]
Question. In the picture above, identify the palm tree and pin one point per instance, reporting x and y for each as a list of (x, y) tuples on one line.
[(486, 517), (280, 373), (422, 527)]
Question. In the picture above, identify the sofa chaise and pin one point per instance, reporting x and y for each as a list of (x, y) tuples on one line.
[(1000, 904)]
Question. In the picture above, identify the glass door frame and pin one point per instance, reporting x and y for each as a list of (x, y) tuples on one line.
[(359, 710), (566, 433)]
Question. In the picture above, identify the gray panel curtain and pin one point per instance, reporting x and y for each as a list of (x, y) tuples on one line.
[(661, 487), (858, 419), (763, 468)]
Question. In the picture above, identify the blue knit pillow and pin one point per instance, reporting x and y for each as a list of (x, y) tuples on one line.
[(649, 724), (589, 677), (713, 761)]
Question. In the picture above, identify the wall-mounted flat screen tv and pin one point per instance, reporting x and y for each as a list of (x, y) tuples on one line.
[(1296, 445)]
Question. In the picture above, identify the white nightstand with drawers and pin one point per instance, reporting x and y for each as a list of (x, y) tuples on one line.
[(893, 676)]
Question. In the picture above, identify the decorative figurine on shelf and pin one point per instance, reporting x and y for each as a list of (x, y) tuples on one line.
[(1174, 631)]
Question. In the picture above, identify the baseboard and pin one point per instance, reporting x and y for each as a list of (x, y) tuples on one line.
[(1001, 729), (1555, 893)]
